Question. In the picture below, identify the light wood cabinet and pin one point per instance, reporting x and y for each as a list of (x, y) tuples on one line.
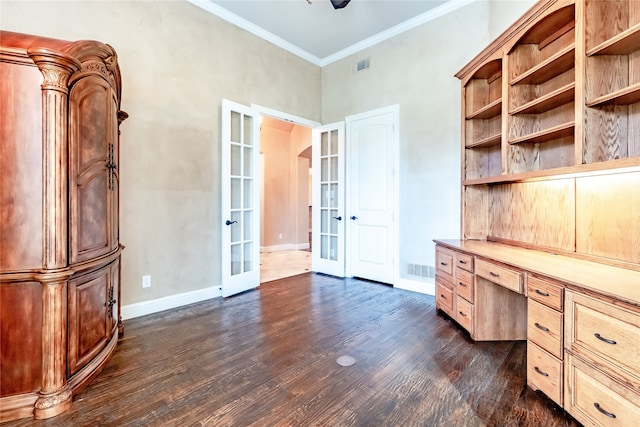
[(607, 333), (602, 341), (596, 399), (480, 305), (59, 234), (550, 172), (581, 321)]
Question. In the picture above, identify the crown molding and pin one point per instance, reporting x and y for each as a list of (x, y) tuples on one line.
[(234, 19), (410, 24)]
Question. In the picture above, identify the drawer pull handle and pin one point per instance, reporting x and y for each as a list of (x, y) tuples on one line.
[(443, 263), (461, 261), (599, 408), (539, 292), (462, 284), (462, 314), (607, 340), (542, 328), (442, 296), (494, 274), (544, 374)]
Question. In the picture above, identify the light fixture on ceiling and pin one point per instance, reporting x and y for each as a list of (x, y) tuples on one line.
[(339, 4)]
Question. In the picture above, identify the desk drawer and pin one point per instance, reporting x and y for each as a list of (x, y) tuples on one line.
[(546, 292), (595, 399), (444, 261), (444, 296), (464, 284), (605, 330), (464, 314), (544, 372), (500, 274), (544, 327), (464, 261)]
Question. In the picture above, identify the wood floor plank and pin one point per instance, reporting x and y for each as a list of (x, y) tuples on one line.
[(268, 358)]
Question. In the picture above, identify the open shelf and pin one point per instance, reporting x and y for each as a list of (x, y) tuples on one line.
[(626, 96), (557, 64), (623, 44), (489, 141), (491, 110), (552, 100), (601, 168), (550, 134)]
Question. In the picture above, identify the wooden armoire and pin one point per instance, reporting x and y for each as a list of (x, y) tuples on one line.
[(59, 239)]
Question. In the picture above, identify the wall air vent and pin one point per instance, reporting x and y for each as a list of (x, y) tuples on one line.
[(425, 271), (362, 65)]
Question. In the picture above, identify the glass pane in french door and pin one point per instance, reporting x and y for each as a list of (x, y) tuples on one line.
[(329, 157), (242, 194)]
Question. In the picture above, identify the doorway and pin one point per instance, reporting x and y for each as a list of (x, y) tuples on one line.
[(285, 247)]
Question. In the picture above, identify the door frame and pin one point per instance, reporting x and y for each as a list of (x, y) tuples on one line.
[(286, 117), (394, 109), (280, 115)]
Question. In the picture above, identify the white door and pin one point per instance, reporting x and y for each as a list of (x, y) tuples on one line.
[(240, 178), (328, 215), (371, 194)]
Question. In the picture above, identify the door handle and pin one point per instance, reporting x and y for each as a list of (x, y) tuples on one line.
[(339, 218), (353, 217), (227, 222)]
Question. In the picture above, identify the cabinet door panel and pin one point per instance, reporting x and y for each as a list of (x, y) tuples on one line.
[(92, 135), (89, 328), (21, 337)]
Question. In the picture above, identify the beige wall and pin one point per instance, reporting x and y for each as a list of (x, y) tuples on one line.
[(416, 70), (177, 63)]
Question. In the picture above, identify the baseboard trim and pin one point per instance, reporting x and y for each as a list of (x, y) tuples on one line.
[(285, 247), (428, 288), (144, 308)]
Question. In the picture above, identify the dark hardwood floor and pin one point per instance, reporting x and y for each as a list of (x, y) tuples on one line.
[(268, 358)]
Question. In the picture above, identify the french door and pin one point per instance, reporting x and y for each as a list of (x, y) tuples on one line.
[(328, 215), (240, 198), (355, 196)]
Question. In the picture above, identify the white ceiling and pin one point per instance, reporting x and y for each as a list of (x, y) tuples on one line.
[(321, 34)]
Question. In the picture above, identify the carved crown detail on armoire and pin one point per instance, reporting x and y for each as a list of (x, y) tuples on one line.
[(59, 232)]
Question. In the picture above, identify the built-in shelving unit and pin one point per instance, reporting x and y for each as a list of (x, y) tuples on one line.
[(551, 166), (564, 120), (568, 98), (541, 94), (483, 120)]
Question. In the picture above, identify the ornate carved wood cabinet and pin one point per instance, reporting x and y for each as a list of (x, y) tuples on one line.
[(59, 240)]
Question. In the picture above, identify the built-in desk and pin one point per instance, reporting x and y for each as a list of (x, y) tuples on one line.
[(581, 320)]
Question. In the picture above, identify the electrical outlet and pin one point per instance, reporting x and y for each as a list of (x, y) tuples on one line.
[(146, 281)]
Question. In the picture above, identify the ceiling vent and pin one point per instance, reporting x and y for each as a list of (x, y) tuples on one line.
[(362, 65)]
